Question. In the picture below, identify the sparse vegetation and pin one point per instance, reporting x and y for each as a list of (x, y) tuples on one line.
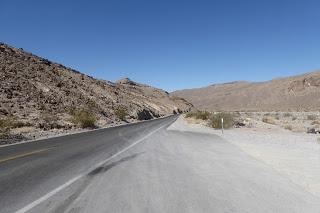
[(315, 122), (277, 116), (19, 124), (121, 113), (11, 123), (189, 115), (92, 105), (311, 117), (288, 127), (49, 118), (269, 120), (202, 115), (84, 118), (50, 121), (228, 120), (287, 114), (5, 126), (294, 118)]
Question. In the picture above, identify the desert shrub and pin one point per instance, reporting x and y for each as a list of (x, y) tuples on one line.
[(201, 115), (189, 115), (288, 127), (294, 118), (10, 123), (121, 113), (19, 124), (238, 114), (269, 120), (287, 114), (84, 118), (6, 122), (272, 115), (49, 121), (228, 120), (49, 118), (92, 105), (311, 117), (5, 126), (316, 122)]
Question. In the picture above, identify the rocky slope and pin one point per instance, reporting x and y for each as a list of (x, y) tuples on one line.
[(298, 93), (35, 90)]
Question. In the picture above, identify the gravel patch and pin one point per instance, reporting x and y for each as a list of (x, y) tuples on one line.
[(295, 155)]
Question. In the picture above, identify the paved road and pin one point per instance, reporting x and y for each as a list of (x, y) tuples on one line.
[(31, 170), (165, 170)]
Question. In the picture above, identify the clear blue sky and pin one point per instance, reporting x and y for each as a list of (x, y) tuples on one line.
[(169, 44)]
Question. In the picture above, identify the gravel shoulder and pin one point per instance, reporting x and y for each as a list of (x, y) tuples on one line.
[(295, 155)]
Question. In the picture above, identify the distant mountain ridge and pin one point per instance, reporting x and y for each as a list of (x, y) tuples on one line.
[(32, 87), (297, 93)]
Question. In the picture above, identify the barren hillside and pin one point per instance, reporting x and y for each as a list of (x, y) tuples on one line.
[(298, 93), (34, 89)]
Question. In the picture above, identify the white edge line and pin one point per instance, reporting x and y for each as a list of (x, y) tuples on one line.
[(65, 185), (82, 131)]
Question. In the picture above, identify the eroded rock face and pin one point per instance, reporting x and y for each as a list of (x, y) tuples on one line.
[(32, 87), (146, 114)]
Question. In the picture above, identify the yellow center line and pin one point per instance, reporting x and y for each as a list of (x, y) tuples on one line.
[(22, 155)]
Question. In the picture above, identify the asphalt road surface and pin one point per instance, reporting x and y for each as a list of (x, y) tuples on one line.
[(143, 167)]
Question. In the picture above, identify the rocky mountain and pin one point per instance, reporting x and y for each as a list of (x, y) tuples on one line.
[(298, 93), (34, 89)]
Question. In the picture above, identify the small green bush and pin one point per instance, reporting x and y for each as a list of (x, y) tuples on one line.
[(49, 118), (287, 114), (5, 126), (288, 127), (84, 118), (315, 122), (201, 115), (269, 120), (189, 115), (12, 122), (228, 120), (121, 113), (311, 117), (6, 123)]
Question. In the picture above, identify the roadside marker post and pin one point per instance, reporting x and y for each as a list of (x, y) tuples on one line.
[(222, 125)]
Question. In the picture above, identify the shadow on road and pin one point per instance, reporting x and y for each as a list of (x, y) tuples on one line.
[(102, 169)]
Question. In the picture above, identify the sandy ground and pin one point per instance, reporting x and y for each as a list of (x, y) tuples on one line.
[(295, 155)]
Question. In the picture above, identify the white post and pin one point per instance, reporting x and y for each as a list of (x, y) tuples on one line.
[(222, 125)]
